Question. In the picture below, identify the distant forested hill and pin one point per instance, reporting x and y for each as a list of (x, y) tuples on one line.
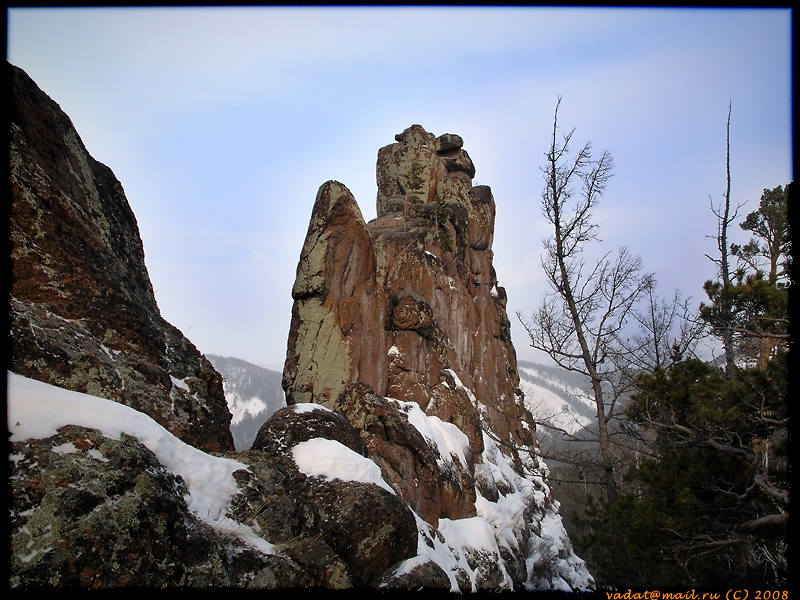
[(252, 392)]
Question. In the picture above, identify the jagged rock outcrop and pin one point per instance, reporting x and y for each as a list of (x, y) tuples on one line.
[(384, 471), (83, 315), (407, 305), (400, 324), (88, 511)]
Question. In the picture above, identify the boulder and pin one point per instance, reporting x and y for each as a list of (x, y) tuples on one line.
[(87, 511), (369, 527), (290, 426), (360, 529)]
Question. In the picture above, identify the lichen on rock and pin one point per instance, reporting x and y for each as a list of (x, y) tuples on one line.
[(83, 313), (399, 363), (406, 311)]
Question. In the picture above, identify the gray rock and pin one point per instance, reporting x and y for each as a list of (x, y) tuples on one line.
[(369, 527), (448, 142), (288, 427), (427, 576), (88, 511)]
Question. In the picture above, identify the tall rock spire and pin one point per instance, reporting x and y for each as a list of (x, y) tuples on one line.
[(409, 301), (400, 326)]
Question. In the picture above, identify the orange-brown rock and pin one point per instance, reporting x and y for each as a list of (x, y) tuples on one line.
[(409, 305), (338, 322), (408, 462)]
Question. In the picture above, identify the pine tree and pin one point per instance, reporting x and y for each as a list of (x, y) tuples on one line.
[(710, 505)]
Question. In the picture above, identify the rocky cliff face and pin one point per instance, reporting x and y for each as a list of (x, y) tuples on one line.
[(405, 313), (404, 459), (409, 305), (83, 314)]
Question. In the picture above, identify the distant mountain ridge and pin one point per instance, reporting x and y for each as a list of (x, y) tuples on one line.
[(556, 396), (253, 394)]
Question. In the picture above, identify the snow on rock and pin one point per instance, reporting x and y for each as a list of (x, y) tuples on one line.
[(461, 386), (448, 439), (36, 410), (308, 407), (522, 520), (333, 460), (463, 548), (454, 547), (179, 383)]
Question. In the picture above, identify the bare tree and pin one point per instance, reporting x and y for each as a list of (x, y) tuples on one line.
[(722, 317), (579, 323), (667, 331)]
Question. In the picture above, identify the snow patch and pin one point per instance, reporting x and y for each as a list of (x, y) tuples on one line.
[(179, 383), (461, 386), (333, 460), (448, 439), (37, 410), (239, 408), (305, 407), (68, 448)]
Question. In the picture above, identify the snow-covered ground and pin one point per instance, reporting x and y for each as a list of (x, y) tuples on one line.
[(36, 410)]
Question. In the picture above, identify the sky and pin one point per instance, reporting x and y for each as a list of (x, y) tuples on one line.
[(222, 123), (37, 410)]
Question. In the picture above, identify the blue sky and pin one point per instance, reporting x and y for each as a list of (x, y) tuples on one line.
[(222, 123)]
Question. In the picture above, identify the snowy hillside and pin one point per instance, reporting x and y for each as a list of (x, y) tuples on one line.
[(252, 392), (556, 397)]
